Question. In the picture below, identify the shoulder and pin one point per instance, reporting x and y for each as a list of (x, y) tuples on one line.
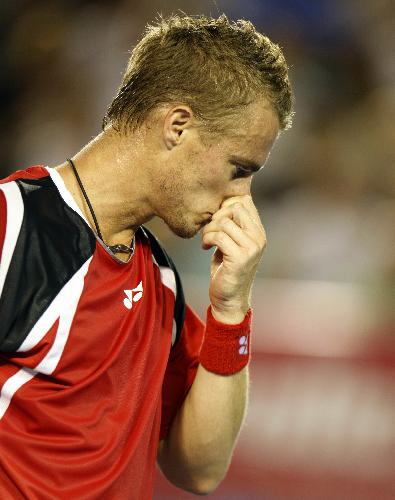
[(43, 245), (34, 172)]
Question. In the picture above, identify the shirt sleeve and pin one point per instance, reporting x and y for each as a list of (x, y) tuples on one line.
[(181, 368)]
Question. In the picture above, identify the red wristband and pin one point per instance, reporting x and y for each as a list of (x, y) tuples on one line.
[(226, 348)]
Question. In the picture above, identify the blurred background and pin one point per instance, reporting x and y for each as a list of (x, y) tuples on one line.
[(321, 423)]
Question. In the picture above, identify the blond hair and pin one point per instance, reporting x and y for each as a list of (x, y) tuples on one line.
[(215, 66)]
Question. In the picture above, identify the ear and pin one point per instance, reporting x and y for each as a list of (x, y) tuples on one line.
[(177, 120)]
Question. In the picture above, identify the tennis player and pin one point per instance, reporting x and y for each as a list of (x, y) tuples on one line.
[(104, 368)]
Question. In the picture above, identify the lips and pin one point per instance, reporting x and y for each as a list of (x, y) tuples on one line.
[(208, 219)]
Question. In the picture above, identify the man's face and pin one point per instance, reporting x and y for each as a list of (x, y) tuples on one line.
[(200, 175)]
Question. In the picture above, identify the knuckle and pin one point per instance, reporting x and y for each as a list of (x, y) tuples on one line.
[(262, 242), (227, 223), (255, 250), (221, 237)]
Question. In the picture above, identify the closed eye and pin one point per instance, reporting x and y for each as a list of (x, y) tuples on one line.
[(240, 172)]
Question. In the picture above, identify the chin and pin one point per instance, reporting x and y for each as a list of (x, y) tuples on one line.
[(185, 232), (183, 229)]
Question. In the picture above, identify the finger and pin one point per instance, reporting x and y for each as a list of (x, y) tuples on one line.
[(245, 200), (237, 212), (228, 226), (222, 241), (242, 217)]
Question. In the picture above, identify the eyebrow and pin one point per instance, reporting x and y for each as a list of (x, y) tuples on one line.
[(245, 162)]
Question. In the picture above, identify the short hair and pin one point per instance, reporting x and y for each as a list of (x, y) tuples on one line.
[(215, 66)]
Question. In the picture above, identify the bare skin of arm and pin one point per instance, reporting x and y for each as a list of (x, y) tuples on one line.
[(197, 453)]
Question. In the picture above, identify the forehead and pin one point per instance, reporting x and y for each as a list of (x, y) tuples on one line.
[(253, 131)]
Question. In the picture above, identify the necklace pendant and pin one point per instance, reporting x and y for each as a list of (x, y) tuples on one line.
[(120, 248)]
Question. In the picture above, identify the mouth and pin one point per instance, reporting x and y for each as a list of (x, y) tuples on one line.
[(200, 223), (207, 220)]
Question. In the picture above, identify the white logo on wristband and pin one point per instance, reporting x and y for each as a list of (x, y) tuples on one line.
[(244, 345)]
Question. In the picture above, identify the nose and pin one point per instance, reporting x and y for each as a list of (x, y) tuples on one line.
[(241, 187)]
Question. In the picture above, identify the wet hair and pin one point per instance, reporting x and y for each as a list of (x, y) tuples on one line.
[(215, 66)]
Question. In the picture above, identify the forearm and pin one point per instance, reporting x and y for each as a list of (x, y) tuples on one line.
[(197, 453)]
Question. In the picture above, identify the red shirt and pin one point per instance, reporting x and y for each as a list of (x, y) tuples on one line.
[(96, 355)]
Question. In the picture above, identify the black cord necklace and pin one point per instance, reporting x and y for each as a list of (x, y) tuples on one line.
[(120, 247)]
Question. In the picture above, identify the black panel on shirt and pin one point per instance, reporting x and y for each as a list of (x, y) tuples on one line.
[(163, 259), (53, 244)]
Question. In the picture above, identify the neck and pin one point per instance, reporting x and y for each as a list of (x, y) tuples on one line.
[(112, 171)]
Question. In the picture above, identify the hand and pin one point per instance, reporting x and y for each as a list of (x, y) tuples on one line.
[(237, 232)]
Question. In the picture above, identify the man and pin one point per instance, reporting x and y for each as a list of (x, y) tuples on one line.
[(104, 367)]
